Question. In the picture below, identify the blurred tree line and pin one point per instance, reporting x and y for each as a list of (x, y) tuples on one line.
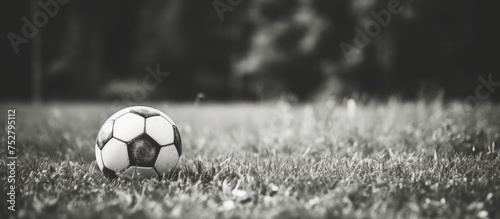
[(262, 48)]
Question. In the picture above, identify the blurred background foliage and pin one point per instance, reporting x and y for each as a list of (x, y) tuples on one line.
[(97, 50)]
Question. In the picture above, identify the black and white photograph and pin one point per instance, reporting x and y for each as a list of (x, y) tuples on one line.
[(266, 109)]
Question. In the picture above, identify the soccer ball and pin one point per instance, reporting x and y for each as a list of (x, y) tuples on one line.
[(138, 141)]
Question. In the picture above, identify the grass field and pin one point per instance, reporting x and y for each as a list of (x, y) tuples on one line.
[(275, 160)]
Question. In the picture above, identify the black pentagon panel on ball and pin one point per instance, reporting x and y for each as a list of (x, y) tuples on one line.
[(105, 134), (177, 140), (143, 111), (143, 151)]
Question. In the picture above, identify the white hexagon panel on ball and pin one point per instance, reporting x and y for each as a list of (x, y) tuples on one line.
[(160, 130), (128, 127), (115, 155), (167, 159)]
